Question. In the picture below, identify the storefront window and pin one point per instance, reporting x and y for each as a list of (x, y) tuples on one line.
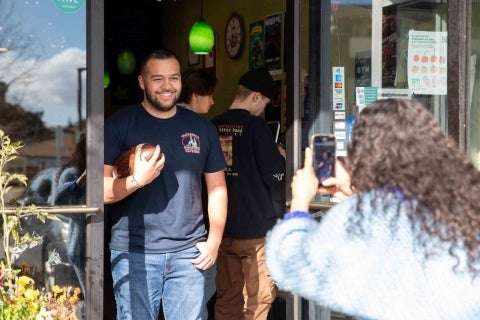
[(414, 54), (42, 103), (367, 50), (354, 52), (474, 124)]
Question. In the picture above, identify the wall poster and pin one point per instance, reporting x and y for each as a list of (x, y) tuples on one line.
[(273, 43), (256, 50)]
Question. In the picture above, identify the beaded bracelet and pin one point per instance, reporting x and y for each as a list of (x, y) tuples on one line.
[(136, 182), (297, 214)]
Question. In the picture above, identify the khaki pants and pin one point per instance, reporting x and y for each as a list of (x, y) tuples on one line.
[(245, 290)]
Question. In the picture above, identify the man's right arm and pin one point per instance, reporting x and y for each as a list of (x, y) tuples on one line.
[(144, 172), (115, 189)]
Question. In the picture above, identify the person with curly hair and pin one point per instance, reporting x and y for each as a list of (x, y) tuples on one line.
[(405, 241), (71, 190)]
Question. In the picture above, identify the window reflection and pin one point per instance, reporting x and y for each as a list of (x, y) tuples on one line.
[(367, 67), (41, 88), (42, 104), (475, 87), (421, 53)]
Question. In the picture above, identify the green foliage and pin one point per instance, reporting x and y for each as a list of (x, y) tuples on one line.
[(19, 123), (14, 239), (19, 299)]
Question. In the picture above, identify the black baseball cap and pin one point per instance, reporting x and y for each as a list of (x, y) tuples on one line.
[(258, 80)]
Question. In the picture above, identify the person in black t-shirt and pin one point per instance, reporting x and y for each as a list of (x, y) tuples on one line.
[(255, 167)]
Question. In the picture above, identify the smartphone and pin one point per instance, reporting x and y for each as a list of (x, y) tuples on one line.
[(323, 156)]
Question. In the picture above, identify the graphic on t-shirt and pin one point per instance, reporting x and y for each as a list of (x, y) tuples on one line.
[(230, 129), (278, 176), (226, 142), (191, 143)]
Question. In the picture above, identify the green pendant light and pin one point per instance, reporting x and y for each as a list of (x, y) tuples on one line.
[(201, 38), (106, 79), (126, 62)]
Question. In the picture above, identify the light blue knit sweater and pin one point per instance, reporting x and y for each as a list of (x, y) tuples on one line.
[(381, 276)]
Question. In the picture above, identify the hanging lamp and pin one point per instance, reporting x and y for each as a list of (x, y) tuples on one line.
[(201, 37)]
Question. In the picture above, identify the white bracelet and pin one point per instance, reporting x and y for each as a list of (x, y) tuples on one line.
[(136, 182)]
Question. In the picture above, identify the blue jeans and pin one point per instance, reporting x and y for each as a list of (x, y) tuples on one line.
[(210, 287), (142, 281)]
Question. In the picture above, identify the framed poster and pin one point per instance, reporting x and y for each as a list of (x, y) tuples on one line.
[(209, 61), (273, 43), (193, 58), (256, 50)]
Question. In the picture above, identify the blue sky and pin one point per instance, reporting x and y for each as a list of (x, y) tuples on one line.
[(55, 28), (61, 41)]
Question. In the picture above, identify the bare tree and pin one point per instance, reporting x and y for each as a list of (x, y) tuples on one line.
[(17, 63), (23, 49)]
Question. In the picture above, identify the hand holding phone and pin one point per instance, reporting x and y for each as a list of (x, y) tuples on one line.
[(340, 185)]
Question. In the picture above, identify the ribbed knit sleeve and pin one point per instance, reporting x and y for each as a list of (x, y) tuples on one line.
[(285, 246), (381, 274), (299, 254)]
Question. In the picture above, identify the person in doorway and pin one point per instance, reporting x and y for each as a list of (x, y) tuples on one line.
[(70, 190), (198, 87), (404, 243), (254, 167), (160, 252)]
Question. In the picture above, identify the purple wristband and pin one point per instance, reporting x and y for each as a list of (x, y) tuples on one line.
[(297, 214)]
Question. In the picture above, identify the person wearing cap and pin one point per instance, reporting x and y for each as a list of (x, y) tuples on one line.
[(255, 167)]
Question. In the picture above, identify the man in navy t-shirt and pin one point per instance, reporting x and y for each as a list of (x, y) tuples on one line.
[(160, 251)]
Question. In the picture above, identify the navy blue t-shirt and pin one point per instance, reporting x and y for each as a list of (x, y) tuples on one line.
[(166, 215)]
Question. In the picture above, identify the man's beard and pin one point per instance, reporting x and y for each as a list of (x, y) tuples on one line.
[(152, 99)]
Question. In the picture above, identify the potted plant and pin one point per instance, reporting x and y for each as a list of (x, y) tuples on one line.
[(19, 297)]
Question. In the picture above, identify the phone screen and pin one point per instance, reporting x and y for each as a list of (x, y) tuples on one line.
[(323, 156)]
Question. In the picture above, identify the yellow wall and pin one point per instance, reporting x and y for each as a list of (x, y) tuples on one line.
[(180, 15)]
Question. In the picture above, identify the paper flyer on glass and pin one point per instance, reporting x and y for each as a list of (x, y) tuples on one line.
[(427, 62)]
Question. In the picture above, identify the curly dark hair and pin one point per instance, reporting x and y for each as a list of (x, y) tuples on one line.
[(397, 145), (78, 158), (196, 81)]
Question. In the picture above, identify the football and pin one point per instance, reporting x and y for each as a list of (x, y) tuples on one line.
[(124, 164)]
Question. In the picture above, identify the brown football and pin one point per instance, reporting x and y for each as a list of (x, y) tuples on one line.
[(124, 164)]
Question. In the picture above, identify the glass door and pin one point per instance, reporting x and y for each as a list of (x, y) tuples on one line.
[(43, 104), (474, 114), (369, 50), (414, 54)]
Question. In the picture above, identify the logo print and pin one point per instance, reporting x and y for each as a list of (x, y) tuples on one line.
[(278, 176), (191, 143)]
